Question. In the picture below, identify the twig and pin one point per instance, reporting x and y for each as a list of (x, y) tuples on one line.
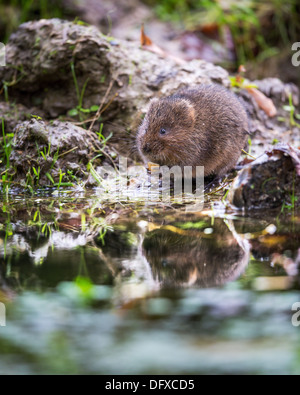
[(65, 153), (248, 154), (102, 104), (95, 118), (108, 157)]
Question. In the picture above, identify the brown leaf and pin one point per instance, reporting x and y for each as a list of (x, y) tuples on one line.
[(263, 102), (273, 240), (145, 40), (210, 29), (246, 161)]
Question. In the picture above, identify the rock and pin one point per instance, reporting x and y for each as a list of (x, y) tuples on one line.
[(272, 181), (119, 76), (13, 114), (265, 130), (117, 73), (54, 149)]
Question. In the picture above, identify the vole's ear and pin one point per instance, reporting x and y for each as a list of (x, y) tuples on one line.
[(154, 107), (150, 106), (153, 103), (186, 112)]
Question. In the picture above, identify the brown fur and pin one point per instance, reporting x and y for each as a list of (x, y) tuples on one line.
[(192, 260), (206, 126)]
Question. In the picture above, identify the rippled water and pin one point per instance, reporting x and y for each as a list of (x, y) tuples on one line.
[(92, 287)]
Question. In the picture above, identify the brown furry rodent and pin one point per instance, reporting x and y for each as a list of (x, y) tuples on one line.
[(206, 126)]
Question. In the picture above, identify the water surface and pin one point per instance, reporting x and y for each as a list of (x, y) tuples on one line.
[(99, 288)]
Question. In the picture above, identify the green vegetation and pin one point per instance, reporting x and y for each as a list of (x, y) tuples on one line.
[(79, 110), (15, 12), (5, 151), (90, 276), (57, 177), (291, 205), (249, 21), (292, 111), (240, 82), (7, 145)]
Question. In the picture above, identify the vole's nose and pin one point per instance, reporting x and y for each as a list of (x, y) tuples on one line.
[(146, 148)]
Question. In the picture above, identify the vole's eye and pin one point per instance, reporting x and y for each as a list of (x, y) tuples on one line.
[(162, 132)]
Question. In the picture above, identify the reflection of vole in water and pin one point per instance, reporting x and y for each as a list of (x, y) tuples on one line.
[(206, 126), (180, 260)]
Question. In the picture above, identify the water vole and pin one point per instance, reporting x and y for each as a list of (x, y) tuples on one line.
[(206, 126)]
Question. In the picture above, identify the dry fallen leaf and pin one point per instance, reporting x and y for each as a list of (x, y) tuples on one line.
[(210, 29), (152, 165), (242, 69), (273, 240), (263, 101), (145, 40)]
